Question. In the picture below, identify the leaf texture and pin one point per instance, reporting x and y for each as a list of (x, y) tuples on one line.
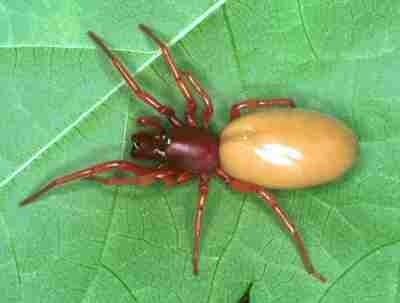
[(65, 108)]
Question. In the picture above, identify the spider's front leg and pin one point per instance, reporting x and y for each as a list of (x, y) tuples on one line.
[(143, 180), (145, 96), (152, 122), (209, 109), (272, 202), (191, 104), (254, 104), (170, 177), (181, 77), (89, 172)]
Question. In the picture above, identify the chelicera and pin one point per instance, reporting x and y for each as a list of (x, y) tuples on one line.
[(189, 150)]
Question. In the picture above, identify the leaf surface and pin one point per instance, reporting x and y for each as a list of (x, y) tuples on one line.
[(65, 108)]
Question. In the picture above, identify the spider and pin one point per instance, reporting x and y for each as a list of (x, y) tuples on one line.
[(187, 150)]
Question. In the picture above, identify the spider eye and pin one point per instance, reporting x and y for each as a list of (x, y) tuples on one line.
[(135, 146), (166, 139)]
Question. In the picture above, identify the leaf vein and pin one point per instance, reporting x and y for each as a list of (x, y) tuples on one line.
[(173, 219), (13, 251), (353, 265), (234, 49), (123, 283), (306, 34), (225, 249)]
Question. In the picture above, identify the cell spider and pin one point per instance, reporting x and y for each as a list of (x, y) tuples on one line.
[(278, 148)]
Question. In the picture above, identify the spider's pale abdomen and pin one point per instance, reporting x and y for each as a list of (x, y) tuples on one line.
[(192, 149), (287, 148)]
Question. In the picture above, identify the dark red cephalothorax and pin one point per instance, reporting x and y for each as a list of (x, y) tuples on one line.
[(187, 150)]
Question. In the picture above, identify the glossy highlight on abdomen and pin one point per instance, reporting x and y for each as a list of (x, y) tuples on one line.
[(287, 148)]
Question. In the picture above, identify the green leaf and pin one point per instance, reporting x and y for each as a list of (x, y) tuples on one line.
[(65, 108)]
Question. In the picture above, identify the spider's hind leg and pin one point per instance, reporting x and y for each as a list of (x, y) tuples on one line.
[(271, 201)]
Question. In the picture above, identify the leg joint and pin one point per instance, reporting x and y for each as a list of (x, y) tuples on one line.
[(167, 111)]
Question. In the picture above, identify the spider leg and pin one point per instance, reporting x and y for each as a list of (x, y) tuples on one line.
[(253, 104), (201, 207), (271, 201), (191, 104), (169, 176), (178, 179), (184, 177), (145, 96), (89, 172), (209, 110), (151, 122), (144, 180)]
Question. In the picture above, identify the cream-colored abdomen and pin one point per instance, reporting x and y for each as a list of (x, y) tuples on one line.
[(287, 148)]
